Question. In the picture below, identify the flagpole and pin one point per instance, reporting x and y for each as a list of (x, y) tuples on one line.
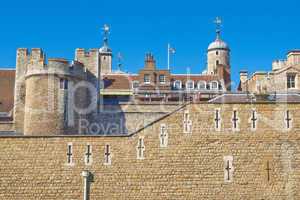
[(168, 56)]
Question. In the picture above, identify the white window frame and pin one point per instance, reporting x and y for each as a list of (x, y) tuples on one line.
[(147, 82), (211, 85), (187, 84), (180, 84), (202, 82), (164, 79)]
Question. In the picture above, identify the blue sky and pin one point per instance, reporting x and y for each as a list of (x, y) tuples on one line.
[(257, 31)]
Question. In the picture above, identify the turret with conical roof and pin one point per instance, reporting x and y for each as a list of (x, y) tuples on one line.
[(218, 52)]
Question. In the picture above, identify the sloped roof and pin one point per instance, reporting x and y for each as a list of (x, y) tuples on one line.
[(250, 98), (117, 81)]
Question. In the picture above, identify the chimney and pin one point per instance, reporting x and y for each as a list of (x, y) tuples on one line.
[(243, 76), (149, 61)]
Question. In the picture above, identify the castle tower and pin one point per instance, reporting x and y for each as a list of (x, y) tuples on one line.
[(218, 52), (105, 53), (51, 96)]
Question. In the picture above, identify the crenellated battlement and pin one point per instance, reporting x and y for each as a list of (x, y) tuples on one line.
[(39, 65)]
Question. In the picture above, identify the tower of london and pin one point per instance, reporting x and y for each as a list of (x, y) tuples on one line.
[(81, 130)]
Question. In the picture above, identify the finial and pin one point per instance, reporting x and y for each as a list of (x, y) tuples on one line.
[(105, 33), (120, 58), (218, 22)]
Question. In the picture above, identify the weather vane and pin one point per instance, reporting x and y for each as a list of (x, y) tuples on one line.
[(218, 23)]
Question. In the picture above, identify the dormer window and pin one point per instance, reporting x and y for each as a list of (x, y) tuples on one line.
[(147, 78), (214, 85), (291, 81), (162, 79), (190, 85), (177, 85), (202, 85)]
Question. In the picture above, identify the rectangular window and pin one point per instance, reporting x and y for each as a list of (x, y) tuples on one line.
[(63, 84), (228, 169), (140, 148), (107, 155), (162, 78), (163, 136), (88, 155), (70, 154), (135, 84), (291, 81), (146, 78)]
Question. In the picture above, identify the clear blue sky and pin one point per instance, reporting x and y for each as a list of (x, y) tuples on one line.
[(257, 31)]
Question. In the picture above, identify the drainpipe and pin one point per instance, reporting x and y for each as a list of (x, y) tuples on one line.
[(85, 174)]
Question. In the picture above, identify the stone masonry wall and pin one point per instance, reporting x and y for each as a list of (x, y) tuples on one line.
[(191, 166)]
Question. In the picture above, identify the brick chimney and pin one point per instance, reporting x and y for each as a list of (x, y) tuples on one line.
[(149, 61)]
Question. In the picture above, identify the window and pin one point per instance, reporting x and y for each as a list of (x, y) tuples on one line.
[(235, 121), (162, 78), (217, 119), (135, 84), (288, 119), (140, 148), (146, 78), (88, 155), (217, 53), (217, 62), (70, 154), (228, 169), (202, 85), (214, 85), (177, 85), (291, 81), (63, 84), (163, 136), (187, 123), (107, 155), (190, 85)]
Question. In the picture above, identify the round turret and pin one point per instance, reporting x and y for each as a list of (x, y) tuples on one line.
[(218, 53), (49, 97)]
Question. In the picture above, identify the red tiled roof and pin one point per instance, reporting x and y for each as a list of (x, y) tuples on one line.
[(117, 81)]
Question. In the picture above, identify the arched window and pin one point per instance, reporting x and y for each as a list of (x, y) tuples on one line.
[(214, 85), (217, 62), (189, 85), (202, 85)]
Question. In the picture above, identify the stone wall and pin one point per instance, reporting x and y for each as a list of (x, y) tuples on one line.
[(191, 166), (7, 83)]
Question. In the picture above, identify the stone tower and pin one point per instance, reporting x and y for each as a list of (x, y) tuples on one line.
[(218, 52), (105, 53), (50, 95)]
